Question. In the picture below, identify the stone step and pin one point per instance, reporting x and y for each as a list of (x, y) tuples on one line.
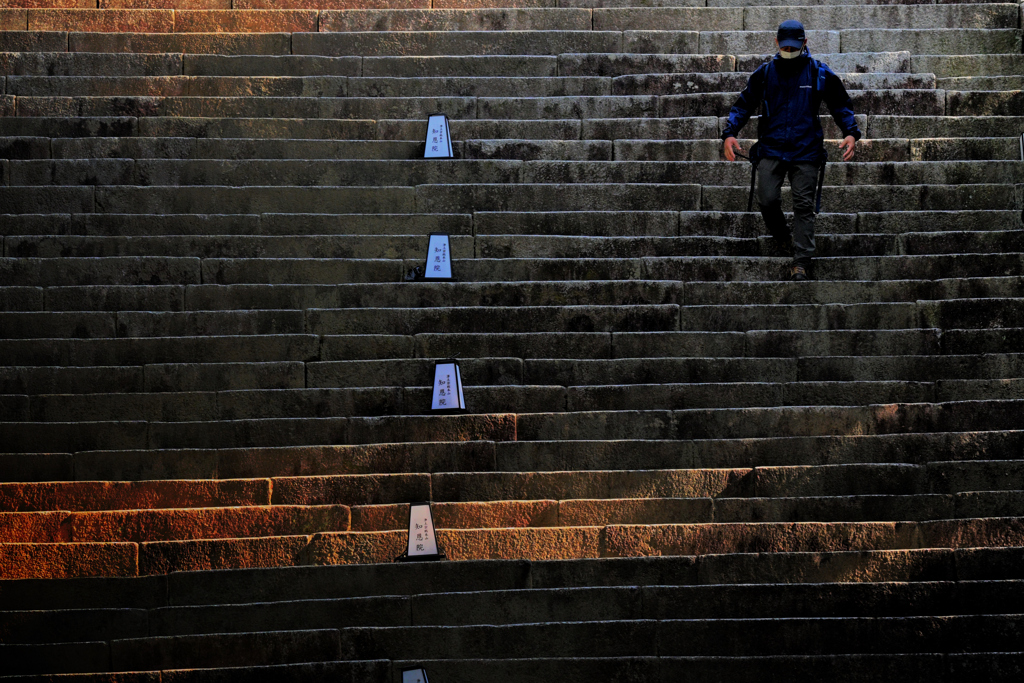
[(874, 198), (152, 378), (946, 66), (159, 557), (87, 352), (975, 483), (689, 128), (446, 86), (764, 637), (578, 223), (982, 83), (94, 496), (34, 63), (890, 17), (438, 66), (89, 272), (142, 526), (465, 43), (204, 651), (958, 313), (241, 587), (623, 63), (872, 102), (467, 174), (524, 605), (463, 198), (483, 176), (498, 246), (375, 401), (663, 424), (212, 349), (970, 469), (945, 126), (247, 224), (343, 86), (228, 297), (689, 83)]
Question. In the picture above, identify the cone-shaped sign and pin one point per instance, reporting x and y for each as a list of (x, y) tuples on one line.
[(422, 539), (414, 675), (446, 392), (439, 138), (439, 258)]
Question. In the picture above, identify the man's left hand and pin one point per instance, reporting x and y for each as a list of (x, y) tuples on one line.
[(847, 147)]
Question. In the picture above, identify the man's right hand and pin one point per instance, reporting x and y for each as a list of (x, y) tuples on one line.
[(731, 148)]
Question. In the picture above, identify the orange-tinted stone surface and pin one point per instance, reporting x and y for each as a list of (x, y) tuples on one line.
[(178, 525), (351, 489), (52, 4), (67, 560), (510, 544), (33, 527), (104, 21), (245, 21), (13, 19), (165, 4), (132, 495), (331, 4)]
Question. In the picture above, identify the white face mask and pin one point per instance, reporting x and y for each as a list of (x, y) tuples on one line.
[(790, 55)]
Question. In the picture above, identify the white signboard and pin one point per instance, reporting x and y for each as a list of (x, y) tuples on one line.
[(439, 258), (422, 542), (446, 393), (439, 138), (414, 676)]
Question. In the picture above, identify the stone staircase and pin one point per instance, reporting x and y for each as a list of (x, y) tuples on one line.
[(214, 384)]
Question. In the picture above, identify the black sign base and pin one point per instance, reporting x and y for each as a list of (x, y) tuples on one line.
[(449, 411), (404, 557)]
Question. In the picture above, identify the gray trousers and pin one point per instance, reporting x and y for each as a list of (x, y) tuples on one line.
[(803, 178)]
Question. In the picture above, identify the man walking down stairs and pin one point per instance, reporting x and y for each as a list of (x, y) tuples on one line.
[(215, 384), (788, 92)]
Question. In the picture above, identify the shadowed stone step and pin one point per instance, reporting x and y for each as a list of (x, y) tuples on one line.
[(152, 378), (86, 352), (560, 455), (702, 423), (794, 569), (234, 224), (89, 64), (411, 247), (671, 637), (879, 197)]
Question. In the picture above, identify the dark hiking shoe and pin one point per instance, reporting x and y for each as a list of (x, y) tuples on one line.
[(798, 274)]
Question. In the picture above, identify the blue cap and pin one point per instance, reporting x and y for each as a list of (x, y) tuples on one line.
[(791, 34)]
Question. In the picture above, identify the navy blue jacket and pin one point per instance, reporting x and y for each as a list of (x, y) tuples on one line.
[(788, 127)]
